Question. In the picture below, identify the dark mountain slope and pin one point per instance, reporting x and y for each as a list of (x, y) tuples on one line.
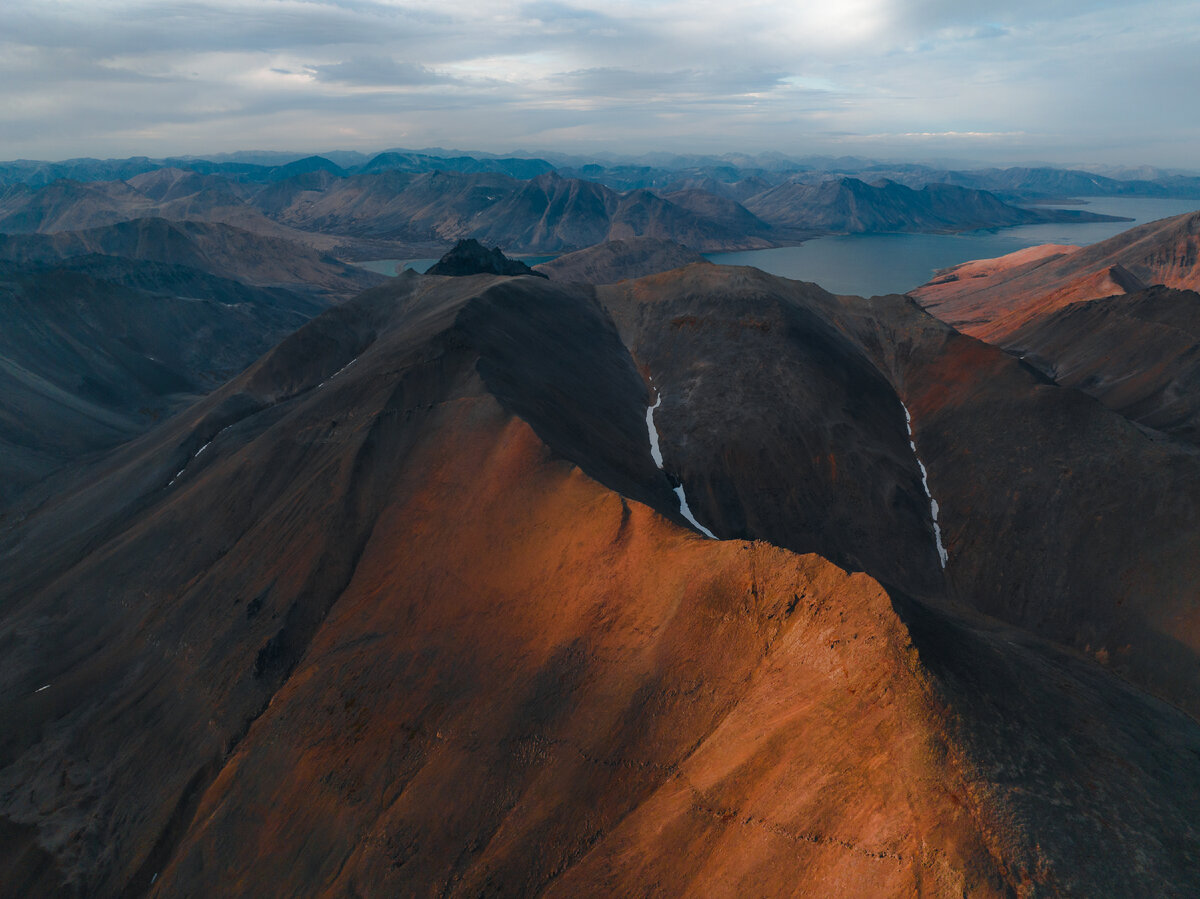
[(778, 424), (211, 247), (781, 414), (68, 206), (618, 260), (90, 358), (1059, 515), (1139, 354)]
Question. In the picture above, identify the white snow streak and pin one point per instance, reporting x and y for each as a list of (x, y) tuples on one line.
[(933, 506), (686, 512), (656, 454), (336, 373), (40, 689), (655, 450), (171, 483)]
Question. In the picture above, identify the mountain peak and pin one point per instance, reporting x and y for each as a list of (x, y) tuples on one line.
[(470, 257)]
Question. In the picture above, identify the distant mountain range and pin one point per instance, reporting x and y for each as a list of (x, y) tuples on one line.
[(658, 172), (386, 208)]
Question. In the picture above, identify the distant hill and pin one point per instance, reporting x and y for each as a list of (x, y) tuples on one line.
[(212, 247), (848, 205), (419, 162)]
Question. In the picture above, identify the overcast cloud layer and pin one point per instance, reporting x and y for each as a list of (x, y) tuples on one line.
[(1106, 82)]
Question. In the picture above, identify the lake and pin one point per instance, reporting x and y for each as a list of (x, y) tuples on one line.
[(872, 264)]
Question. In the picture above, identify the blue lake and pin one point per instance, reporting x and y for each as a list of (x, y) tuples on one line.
[(872, 264)]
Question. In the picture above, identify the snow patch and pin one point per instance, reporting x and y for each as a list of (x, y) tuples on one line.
[(40, 689), (171, 483), (933, 506), (336, 373), (657, 456), (655, 450), (686, 512)]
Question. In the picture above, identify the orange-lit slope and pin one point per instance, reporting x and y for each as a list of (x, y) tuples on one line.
[(531, 683), (993, 297)]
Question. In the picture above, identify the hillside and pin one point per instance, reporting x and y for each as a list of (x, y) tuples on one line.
[(1138, 353), (95, 353), (217, 249), (422, 602), (992, 298)]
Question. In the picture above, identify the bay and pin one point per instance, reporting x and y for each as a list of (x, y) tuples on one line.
[(874, 264)]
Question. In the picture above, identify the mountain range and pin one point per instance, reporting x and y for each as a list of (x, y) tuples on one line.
[(658, 172), (385, 211), (697, 580)]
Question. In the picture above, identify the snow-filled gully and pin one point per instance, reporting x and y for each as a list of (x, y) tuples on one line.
[(933, 506), (196, 455), (336, 373), (179, 473), (656, 454)]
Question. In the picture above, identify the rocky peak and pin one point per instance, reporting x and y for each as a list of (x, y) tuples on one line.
[(470, 257)]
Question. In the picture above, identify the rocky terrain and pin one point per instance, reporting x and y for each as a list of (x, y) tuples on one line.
[(1137, 353), (703, 582), (470, 257), (213, 248)]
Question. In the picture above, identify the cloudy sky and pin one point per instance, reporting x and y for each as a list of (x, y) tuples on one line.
[(1055, 80)]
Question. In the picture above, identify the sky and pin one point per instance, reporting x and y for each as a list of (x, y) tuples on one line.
[(1024, 80)]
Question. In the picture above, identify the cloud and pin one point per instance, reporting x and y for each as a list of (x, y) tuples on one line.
[(378, 71), (712, 83), (136, 76)]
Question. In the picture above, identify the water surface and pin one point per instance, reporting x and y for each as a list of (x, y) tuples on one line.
[(872, 264)]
